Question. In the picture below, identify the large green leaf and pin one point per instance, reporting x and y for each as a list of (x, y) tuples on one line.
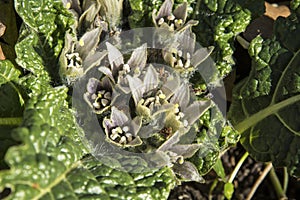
[(219, 22), (11, 101), (8, 72), (52, 162), (266, 105), (42, 37)]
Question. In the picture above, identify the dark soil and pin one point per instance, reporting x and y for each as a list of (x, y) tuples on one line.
[(243, 182)]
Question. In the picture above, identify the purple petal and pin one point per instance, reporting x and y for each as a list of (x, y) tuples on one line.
[(165, 9), (93, 60), (181, 11), (115, 57), (118, 117), (107, 72), (93, 85), (150, 79), (90, 41), (195, 110), (181, 96), (138, 57), (201, 55), (137, 88)]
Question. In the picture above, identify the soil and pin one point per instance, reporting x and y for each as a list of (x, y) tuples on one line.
[(243, 182)]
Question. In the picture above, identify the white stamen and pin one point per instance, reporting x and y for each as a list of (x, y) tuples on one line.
[(181, 114), (160, 21), (178, 22), (179, 53), (94, 96), (96, 105), (107, 95), (104, 102), (126, 68), (185, 123), (125, 129), (114, 136), (122, 140), (162, 96), (179, 63), (129, 137), (171, 17)]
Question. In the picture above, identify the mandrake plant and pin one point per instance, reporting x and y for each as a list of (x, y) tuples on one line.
[(85, 114)]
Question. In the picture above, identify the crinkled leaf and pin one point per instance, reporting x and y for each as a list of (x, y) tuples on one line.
[(219, 22), (44, 17), (8, 72), (266, 105), (215, 135)]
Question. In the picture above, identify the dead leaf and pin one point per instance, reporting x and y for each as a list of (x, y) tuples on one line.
[(274, 10), (2, 30)]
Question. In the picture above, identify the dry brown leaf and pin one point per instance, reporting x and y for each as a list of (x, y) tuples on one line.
[(274, 10), (2, 30)]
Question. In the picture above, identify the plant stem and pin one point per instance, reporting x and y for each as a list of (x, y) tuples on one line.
[(275, 181), (270, 110), (237, 167), (285, 179), (244, 43), (11, 121), (259, 181)]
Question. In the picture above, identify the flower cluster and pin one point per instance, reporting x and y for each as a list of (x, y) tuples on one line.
[(173, 21), (144, 106), (92, 20)]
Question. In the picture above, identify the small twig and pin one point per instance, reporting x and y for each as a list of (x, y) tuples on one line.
[(237, 167), (276, 183), (11, 121), (259, 181), (244, 43), (285, 179)]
